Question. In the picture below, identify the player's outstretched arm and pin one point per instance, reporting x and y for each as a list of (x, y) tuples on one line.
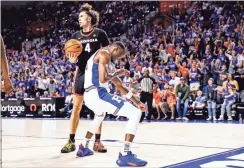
[(8, 87)]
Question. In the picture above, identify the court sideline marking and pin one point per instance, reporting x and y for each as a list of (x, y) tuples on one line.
[(206, 159), (140, 143)]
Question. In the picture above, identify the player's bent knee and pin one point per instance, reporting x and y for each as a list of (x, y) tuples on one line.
[(134, 115), (96, 123)]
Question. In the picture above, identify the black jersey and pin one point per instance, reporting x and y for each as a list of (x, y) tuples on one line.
[(91, 42)]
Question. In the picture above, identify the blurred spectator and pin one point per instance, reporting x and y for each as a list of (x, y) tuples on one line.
[(52, 87), (199, 102), (182, 92), (232, 82), (229, 100), (211, 97), (69, 105), (182, 68), (170, 100), (45, 94), (37, 94), (195, 76), (127, 81), (174, 80), (158, 104)]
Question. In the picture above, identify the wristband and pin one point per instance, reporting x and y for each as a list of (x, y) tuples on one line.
[(128, 95)]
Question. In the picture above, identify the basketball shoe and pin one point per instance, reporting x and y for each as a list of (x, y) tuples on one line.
[(98, 147), (130, 160), (69, 147), (84, 151)]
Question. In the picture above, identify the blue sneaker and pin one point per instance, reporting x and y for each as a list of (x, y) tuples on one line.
[(84, 151), (130, 160)]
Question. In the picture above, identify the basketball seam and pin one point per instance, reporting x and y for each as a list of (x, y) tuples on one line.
[(71, 46)]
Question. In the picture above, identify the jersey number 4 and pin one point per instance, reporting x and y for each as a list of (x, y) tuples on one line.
[(88, 48)]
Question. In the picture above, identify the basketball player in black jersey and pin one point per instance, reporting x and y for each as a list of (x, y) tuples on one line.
[(91, 39)]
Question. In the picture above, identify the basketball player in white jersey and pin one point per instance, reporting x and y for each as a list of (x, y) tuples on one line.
[(99, 71), (127, 81)]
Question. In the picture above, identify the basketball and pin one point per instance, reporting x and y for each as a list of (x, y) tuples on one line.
[(73, 46)]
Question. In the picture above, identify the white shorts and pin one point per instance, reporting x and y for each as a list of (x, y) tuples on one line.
[(194, 86), (100, 101)]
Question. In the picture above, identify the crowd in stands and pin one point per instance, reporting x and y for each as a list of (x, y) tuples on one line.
[(205, 51), (116, 18), (36, 70)]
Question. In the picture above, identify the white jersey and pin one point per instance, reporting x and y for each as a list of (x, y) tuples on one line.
[(92, 74), (100, 101), (127, 81)]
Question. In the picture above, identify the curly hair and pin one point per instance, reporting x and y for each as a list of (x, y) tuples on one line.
[(92, 13)]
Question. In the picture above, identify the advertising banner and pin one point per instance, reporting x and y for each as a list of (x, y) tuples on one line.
[(32, 107)]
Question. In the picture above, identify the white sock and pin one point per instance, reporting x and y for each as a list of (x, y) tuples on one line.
[(86, 144), (126, 148)]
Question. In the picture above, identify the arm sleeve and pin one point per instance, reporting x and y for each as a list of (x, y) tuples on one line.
[(103, 38)]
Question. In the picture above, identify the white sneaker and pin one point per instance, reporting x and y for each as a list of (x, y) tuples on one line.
[(179, 118), (221, 118), (185, 118), (61, 110), (209, 118), (214, 118), (230, 118)]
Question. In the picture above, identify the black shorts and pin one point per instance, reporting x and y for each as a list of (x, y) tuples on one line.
[(79, 80), (2, 95)]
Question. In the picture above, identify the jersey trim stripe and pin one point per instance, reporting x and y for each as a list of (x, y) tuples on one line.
[(76, 94), (95, 74)]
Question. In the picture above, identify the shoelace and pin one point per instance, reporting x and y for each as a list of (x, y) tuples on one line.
[(68, 145), (130, 153)]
